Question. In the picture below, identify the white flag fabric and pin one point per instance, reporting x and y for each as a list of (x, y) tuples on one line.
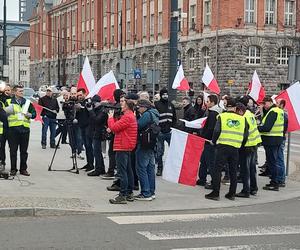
[(86, 79)]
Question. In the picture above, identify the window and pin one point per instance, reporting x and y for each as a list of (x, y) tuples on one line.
[(144, 63), (206, 56), (157, 60), (144, 26), (191, 59), (128, 31), (270, 12), (152, 24), (112, 32), (112, 5), (193, 17), (105, 36), (283, 55), (250, 11), (128, 4), (160, 22), (207, 12), (289, 12), (179, 20), (254, 55)]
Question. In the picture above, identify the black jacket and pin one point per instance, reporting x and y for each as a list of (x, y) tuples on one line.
[(267, 126), (3, 115), (50, 103), (82, 115), (209, 126), (97, 123), (167, 115), (189, 114)]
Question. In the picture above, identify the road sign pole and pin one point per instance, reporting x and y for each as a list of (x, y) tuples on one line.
[(288, 155)]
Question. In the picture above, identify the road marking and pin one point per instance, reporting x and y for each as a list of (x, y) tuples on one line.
[(237, 247), (219, 233), (151, 219)]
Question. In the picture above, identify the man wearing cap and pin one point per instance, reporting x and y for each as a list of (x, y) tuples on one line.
[(271, 131), (167, 119), (48, 113), (229, 135)]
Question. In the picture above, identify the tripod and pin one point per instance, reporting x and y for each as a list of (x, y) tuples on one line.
[(72, 142)]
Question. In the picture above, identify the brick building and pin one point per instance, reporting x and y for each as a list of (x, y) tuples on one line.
[(234, 37)]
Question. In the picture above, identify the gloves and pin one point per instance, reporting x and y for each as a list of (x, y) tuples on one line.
[(28, 115)]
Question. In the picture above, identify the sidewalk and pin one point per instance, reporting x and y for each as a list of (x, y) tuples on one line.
[(50, 193)]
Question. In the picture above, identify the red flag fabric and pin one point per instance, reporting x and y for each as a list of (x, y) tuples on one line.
[(180, 82), (38, 109), (292, 106), (182, 163), (210, 81)]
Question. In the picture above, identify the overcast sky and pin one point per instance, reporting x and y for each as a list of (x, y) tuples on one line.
[(12, 9)]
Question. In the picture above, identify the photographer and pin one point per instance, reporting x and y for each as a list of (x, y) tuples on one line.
[(96, 134)]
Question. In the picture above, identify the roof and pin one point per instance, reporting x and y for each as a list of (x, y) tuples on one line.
[(21, 40)]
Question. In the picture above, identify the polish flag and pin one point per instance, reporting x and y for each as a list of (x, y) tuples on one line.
[(256, 90), (291, 96), (209, 80), (38, 109), (105, 87), (180, 82), (182, 163), (86, 80), (197, 124)]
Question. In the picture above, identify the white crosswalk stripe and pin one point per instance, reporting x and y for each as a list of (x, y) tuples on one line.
[(152, 219), (217, 233), (237, 247)]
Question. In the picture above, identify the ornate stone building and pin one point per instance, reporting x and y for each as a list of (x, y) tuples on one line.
[(235, 37)]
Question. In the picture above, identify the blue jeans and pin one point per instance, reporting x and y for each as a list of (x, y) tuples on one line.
[(48, 123), (281, 162), (123, 161), (248, 170), (207, 161), (99, 161), (162, 137), (145, 167), (276, 169)]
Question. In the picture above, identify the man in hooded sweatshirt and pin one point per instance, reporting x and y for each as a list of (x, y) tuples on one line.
[(167, 119)]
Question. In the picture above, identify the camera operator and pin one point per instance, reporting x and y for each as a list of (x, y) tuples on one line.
[(96, 134)]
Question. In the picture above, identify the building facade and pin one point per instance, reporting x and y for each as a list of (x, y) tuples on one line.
[(19, 51), (26, 9), (235, 37)]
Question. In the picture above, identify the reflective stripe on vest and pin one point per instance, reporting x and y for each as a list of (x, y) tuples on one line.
[(1, 128), (278, 127), (232, 130), (254, 137), (13, 120)]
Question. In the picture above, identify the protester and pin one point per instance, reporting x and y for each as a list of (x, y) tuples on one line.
[(51, 108), (229, 135), (145, 160), (167, 119), (189, 113), (19, 129), (199, 106), (125, 130)]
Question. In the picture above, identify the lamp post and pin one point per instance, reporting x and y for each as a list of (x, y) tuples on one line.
[(4, 59)]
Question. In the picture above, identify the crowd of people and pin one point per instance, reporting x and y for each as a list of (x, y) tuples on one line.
[(136, 129)]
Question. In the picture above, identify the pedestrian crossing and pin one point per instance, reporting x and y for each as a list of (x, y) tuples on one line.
[(210, 227)]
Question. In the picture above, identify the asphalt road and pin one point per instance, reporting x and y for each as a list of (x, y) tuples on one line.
[(268, 226)]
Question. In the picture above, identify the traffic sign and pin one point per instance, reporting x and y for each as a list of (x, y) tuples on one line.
[(137, 74)]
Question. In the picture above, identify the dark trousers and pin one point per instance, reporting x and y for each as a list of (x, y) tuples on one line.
[(18, 140), (51, 124), (225, 155), (89, 151), (123, 160), (133, 166), (3, 139), (248, 169), (207, 161), (162, 137), (99, 161), (112, 157)]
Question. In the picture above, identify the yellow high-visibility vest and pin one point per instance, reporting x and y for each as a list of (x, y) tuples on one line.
[(17, 119), (278, 127), (254, 137), (232, 129)]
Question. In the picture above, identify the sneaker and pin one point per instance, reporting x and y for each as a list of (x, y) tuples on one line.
[(153, 197), (80, 156), (13, 172), (141, 197), (120, 199), (130, 197), (94, 173), (159, 172), (44, 147), (230, 196), (212, 196), (108, 176), (113, 187), (242, 195), (271, 187)]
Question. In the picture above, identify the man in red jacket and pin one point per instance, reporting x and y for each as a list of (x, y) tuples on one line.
[(125, 130)]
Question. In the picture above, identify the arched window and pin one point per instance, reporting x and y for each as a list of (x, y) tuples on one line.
[(191, 59), (205, 55), (144, 63), (254, 55), (102, 67), (283, 55), (110, 64), (157, 60)]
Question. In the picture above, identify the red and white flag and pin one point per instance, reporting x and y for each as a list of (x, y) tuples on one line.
[(197, 124), (38, 109), (86, 79), (105, 87), (256, 90), (182, 163), (292, 106), (180, 82), (210, 81)]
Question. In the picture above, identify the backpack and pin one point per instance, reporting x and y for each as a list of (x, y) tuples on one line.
[(149, 135)]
